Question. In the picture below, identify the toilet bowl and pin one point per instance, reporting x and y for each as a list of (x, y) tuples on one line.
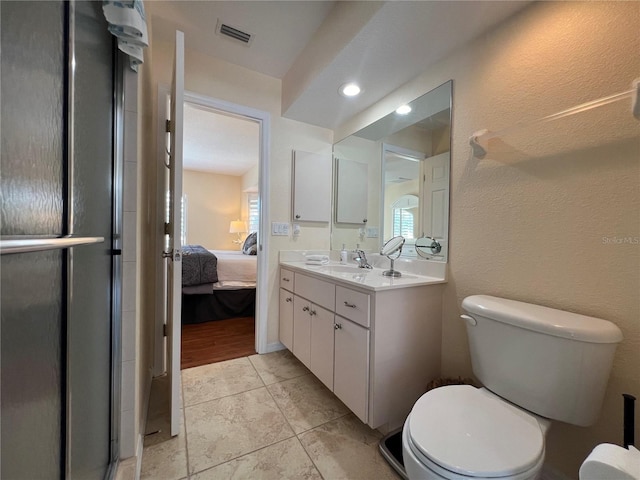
[(537, 364), (463, 432)]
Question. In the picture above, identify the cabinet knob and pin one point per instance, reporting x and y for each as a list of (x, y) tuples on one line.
[(312, 312), (350, 305), (305, 309), (297, 216), (337, 326), (364, 220), (288, 299), (285, 279)]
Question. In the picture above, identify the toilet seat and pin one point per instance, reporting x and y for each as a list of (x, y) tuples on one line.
[(469, 432)]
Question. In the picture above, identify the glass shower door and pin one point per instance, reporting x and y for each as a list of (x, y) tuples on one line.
[(31, 284), (89, 326), (57, 190)]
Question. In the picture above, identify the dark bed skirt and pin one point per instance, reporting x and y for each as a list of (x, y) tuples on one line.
[(218, 305)]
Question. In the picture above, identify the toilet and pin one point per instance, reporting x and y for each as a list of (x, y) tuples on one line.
[(537, 364)]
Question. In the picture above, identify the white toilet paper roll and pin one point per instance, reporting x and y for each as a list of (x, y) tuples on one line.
[(609, 462)]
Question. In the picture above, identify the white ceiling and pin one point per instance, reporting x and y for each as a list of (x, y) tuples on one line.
[(400, 41), (219, 143), (393, 45), (281, 29)]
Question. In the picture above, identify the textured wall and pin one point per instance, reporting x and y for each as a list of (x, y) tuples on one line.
[(539, 218), (528, 222)]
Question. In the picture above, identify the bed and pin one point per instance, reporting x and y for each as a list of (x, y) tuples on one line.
[(217, 284)]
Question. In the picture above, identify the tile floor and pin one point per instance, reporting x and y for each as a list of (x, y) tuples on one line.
[(261, 417)]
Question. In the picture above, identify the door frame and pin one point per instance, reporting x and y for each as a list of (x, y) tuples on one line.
[(262, 306)]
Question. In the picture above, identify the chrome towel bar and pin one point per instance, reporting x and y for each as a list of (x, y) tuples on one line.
[(22, 245)]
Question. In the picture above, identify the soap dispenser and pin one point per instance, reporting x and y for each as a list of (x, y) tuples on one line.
[(343, 255)]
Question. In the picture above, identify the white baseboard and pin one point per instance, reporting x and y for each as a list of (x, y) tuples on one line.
[(274, 347), (139, 449)]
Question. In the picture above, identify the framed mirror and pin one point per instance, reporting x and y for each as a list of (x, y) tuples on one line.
[(407, 159)]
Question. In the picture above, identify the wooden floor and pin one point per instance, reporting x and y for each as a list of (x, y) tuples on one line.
[(211, 342)]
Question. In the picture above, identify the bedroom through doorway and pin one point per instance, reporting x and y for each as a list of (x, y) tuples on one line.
[(220, 225)]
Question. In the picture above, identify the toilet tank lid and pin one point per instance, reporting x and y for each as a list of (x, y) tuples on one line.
[(543, 319)]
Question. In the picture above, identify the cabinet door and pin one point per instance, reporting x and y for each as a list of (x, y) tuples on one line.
[(286, 279), (302, 330), (311, 187), (322, 344), (352, 188), (286, 318), (351, 375)]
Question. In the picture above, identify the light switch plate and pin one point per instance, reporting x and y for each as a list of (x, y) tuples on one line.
[(279, 229)]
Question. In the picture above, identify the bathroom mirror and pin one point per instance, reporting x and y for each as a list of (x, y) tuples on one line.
[(427, 247), (392, 246), (392, 249), (407, 160)]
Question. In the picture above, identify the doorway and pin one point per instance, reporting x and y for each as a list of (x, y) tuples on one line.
[(223, 204), (220, 221)]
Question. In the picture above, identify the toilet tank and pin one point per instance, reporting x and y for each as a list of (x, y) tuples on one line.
[(551, 362)]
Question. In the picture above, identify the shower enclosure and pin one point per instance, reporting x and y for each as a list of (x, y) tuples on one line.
[(60, 170)]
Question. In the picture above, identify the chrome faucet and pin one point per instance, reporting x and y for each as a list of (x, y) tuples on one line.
[(361, 259)]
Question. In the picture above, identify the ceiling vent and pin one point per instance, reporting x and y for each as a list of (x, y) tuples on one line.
[(233, 33)]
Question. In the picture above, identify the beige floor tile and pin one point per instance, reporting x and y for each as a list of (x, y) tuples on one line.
[(282, 461), (228, 427), (306, 402), (278, 366), (347, 449), (217, 380), (166, 460)]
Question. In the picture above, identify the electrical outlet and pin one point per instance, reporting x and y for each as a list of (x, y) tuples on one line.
[(280, 229), (372, 232)]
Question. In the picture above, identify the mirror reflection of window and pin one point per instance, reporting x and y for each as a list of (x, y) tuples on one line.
[(403, 213)]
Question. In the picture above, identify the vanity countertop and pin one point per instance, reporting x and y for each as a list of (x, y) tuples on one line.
[(351, 275)]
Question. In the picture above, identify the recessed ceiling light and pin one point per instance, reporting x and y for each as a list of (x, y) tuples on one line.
[(349, 90), (403, 109)]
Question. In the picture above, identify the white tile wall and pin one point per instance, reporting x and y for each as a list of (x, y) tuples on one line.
[(128, 380), (129, 192), (129, 236), (127, 433), (128, 286), (128, 430), (131, 136), (128, 336)]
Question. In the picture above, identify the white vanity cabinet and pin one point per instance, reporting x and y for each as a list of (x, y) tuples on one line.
[(321, 344), (351, 366), (286, 308), (313, 326), (376, 350)]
